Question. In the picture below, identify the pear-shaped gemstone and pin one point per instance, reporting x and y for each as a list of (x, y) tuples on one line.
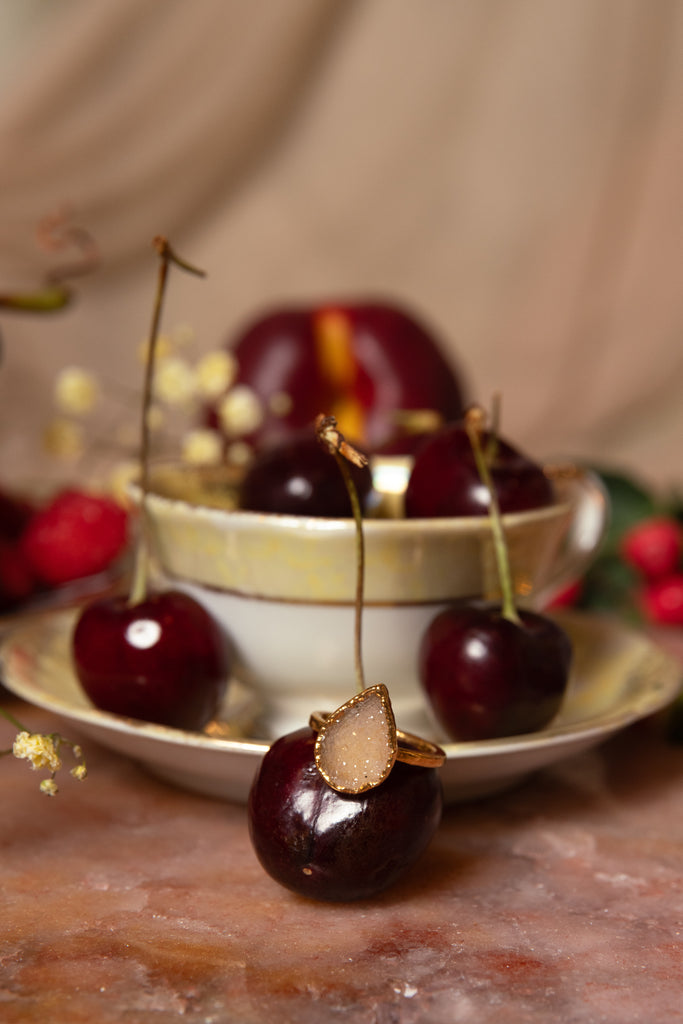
[(356, 745)]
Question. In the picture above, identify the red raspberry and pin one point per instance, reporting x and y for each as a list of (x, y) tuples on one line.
[(662, 600), (653, 546), (76, 535)]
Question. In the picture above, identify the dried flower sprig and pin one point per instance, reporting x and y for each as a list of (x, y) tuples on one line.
[(183, 383), (42, 750), (57, 233)]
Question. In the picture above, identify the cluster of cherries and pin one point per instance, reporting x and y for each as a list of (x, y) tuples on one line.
[(74, 536), (487, 669)]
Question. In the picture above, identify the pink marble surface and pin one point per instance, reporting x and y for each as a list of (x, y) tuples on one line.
[(126, 900)]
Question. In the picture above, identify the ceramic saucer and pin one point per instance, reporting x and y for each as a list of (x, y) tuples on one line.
[(619, 676)]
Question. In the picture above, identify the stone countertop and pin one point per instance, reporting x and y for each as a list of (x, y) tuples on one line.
[(124, 899)]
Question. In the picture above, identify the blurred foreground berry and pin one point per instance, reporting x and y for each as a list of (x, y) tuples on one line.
[(662, 600), (653, 546), (568, 597), (75, 535)]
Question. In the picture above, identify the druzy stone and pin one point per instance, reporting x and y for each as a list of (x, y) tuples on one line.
[(356, 747)]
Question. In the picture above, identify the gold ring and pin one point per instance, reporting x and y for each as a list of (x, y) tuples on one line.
[(410, 749)]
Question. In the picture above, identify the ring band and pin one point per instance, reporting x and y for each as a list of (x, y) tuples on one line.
[(411, 749)]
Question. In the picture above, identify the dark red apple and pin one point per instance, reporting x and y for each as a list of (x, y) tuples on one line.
[(335, 846), (445, 480), (360, 362), (487, 677)]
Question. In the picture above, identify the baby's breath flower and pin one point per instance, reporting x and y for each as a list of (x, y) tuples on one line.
[(40, 750), (174, 381), (241, 411), (202, 448), (76, 390), (240, 453), (64, 439), (215, 373)]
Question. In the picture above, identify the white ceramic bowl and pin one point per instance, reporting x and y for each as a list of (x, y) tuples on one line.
[(283, 587)]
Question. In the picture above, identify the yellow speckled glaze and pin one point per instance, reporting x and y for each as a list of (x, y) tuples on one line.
[(294, 558)]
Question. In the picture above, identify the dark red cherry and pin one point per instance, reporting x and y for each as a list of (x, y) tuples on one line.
[(155, 656), (445, 480), (298, 477), (487, 677), (333, 846), (162, 660)]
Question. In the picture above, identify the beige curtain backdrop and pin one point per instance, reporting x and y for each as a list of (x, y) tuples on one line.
[(511, 168)]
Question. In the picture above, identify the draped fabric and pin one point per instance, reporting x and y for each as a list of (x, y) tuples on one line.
[(513, 169)]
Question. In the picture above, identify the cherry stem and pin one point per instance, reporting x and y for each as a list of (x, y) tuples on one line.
[(12, 720), (141, 570), (20, 727), (418, 421), (473, 424), (333, 439)]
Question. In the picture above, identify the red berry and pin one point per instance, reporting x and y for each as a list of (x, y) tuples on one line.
[(76, 535), (662, 600), (567, 597), (653, 546)]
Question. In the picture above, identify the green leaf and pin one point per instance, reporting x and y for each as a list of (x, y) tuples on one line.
[(45, 300), (674, 505), (610, 585)]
